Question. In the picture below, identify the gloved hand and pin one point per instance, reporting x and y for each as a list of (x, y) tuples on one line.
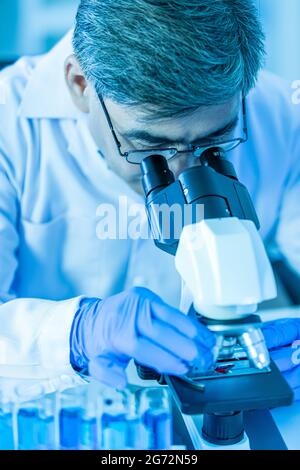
[(283, 339), (136, 324)]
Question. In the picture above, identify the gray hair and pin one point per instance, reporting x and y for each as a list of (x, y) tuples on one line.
[(169, 56)]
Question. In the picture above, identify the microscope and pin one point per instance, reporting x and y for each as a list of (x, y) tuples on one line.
[(226, 274)]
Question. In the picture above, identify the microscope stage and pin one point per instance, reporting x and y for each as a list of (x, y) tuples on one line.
[(231, 389), (225, 369)]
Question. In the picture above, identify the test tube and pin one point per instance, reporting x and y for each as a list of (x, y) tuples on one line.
[(157, 416), (88, 432), (137, 435), (28, 396), (89, 421), (71, 406), (6, 424), (114, 420), (46, 424), (28, 425)]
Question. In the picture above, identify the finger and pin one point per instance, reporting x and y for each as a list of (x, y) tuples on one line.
[(108, 372), (205, 337), (186, 325), (284, 358), (281, 332), (169, 339), (204, 361), (149, 354)]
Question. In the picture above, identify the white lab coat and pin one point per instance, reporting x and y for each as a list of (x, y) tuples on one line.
[(51, 182)]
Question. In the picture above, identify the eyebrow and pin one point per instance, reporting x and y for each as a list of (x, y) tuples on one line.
[(138, 134)]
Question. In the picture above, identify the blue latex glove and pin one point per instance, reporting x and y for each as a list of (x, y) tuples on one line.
[(136, 324), (283, 339)]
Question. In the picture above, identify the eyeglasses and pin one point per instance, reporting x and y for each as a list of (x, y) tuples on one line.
[(137, 156)]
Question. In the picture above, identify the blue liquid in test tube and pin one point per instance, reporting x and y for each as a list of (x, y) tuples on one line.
[(6, 429), (158, 424), (46, 430), (6, 420), (137, 435), (157, 418), (33, 427), (114, 421), (46, 433), (114, 428), (72, 403), (28, 424), (69, 427), (90, 417)]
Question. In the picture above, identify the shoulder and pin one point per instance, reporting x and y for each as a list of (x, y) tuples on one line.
[(274, 110), (15, 131), (271, 83), (273, 97), (13, 82)]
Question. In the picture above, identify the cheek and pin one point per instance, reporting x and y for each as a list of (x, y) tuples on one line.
[(104, 141), (96, 129), (125, 170)]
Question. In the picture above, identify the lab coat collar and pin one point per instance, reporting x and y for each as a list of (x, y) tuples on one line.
[(46, 94)]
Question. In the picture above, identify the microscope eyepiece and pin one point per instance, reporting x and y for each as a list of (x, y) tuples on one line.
[(215, 158), (156, 173), (212, 152)]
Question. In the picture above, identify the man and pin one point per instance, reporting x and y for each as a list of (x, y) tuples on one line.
[(142, 75)]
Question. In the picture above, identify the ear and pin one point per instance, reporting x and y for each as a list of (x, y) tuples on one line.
[(77, 84)]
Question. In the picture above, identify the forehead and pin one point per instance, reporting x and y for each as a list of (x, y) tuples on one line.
[(203, 121)]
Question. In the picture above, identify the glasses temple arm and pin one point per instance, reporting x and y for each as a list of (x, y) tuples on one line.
[(245, 125), (110, 124)]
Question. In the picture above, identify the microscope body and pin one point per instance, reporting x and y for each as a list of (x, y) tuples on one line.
[(224, 267), (218, 251), (225, 270)]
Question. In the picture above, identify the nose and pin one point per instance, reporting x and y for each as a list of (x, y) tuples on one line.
[(181, 162)]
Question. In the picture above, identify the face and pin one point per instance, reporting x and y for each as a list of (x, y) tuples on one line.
[(134, 132)]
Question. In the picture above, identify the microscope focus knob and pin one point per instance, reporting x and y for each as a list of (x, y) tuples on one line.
[(223, 429)]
